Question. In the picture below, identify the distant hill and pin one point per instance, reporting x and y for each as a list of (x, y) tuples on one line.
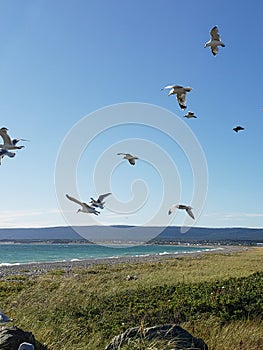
[(203, 234), (39, 234), (134, 233)]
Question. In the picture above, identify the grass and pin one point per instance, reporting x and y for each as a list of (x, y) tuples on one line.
[(217, 297)]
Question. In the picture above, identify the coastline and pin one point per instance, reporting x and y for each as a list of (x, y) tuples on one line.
[(35, 269)]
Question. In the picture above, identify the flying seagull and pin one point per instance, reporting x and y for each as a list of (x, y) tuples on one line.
[(184, 207), (238, 128), (8, 142), (214, 41), (129, 157), (5, 152), (190, 115), (99, 202), (85, 207), (180, 93), (4, 318)]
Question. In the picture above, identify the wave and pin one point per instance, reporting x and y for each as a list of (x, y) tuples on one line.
[(9, 264)]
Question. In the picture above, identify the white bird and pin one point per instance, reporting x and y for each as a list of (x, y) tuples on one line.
[(5, 152), (129, 157), (85, 207), (190, 115), (4, 318), (180, 93), (184, 207), (214, 41), (99, 202), (8, 142)]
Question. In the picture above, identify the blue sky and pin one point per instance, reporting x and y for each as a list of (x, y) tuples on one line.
[(63, 62)]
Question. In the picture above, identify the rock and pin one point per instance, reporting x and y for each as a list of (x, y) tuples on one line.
[(167, 332), (12, 337), (131, 277)]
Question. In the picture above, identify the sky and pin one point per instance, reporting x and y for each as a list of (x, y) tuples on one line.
[(82, 81)]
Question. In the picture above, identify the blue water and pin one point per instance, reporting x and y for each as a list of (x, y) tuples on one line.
[(30, 253)]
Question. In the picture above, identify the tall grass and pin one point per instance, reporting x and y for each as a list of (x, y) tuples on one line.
[(217, 297)]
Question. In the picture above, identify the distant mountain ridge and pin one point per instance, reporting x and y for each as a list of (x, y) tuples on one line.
[(40, 234), (124, 233)]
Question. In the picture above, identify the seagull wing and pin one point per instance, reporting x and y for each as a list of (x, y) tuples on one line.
[(102, 196), (6, 138), (189, 212), (15, 141), (181, 98), (132, 161), (173, 207), (122, 154), (214, 34), (91, 209), (168, 87), (75, 200)]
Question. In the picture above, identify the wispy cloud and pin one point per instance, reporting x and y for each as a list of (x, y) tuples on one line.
[(30, 218)]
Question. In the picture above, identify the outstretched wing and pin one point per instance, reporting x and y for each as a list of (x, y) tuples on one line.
[(189, 211), (214, 34), (15, 141), (6, 138), (167, 87), (173, 207), (181, 98), (74, 200), (102, 196)]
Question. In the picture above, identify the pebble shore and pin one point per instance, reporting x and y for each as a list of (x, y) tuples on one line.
[(36, 269)]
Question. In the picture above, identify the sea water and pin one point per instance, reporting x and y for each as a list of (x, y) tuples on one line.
[(11, 254)]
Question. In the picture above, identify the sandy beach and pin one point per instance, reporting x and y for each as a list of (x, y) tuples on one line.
[(36, 269)]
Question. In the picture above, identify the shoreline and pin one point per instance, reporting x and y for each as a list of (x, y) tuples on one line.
[(38, 268)]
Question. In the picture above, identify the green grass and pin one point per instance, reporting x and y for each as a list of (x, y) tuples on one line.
[(217, 297)]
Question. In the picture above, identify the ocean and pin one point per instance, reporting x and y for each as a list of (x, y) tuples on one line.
[(16, 254)]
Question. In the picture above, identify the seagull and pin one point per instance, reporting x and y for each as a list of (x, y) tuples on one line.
[(99, 202), (85, 207), (182, 206), (5, 152), (238, 128), (214, 41), (190, 115), (180, 93), (4, 318), (8, 142), (129, 157)]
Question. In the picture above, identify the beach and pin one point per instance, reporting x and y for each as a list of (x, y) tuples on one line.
[(35, 269)]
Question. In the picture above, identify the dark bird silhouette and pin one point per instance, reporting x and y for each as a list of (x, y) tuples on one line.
[(238, 128), (190, 115)]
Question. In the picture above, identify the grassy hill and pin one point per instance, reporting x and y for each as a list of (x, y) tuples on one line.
[(217, 297)]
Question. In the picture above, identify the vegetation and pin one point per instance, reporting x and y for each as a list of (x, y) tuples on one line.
[(217, 297)]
